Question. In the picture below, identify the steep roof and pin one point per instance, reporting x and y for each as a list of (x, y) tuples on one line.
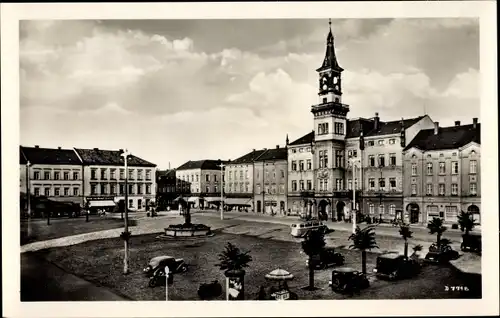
[(274, 154), (393, 127), (447, 138), (355, 126), (162, 174), (330, 60), (306, 139), (22, 158), (109, 157), (249, 157), (50, 156), (206, 164), (384, 128)]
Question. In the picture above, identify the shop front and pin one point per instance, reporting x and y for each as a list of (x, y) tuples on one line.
[(102, 203)]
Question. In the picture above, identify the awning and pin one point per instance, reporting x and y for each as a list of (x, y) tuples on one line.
[(212, 199), (101, 203), (238, 201)]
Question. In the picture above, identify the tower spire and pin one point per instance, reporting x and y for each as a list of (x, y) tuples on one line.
[(330, 60)]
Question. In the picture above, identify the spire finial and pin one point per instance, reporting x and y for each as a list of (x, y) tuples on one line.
[(330, 23)]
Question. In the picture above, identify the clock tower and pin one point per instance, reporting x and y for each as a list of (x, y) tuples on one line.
[(330, 125), (330, 114)]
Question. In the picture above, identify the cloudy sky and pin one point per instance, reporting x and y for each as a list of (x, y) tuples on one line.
[(178, 90)]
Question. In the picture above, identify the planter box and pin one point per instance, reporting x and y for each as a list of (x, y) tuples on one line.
[(173, 232)]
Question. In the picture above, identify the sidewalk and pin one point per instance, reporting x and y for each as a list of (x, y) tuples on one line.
[(44, 281)]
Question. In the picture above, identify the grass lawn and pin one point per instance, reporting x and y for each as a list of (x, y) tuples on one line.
[(101, 262), (61, 227)]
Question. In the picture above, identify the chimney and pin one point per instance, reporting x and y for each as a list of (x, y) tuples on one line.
[(376, 121), (96, 148), (37, 146), (474, 122), (457, 123), (59, 148), (436, 128), (121, 150), (277, 146)]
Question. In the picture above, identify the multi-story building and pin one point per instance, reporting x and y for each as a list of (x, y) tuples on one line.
[(200, 181), (166, 189), (104, 179), (301, 175), (55, 174), (380, 166), (239, 181), (270, 181), (442, 173)]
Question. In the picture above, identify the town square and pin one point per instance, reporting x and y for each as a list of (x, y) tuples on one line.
[(251, 160)]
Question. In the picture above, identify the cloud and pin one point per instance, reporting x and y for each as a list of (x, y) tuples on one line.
[(170, 99), (464, 85)]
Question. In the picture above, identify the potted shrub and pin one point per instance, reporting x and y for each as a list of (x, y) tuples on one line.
[(363, 240), (312, 245), (233, 261)]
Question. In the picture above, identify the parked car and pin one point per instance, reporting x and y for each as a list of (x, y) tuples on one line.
[(348, 280), (441, 253), (395, 266), (300, 229), (155, 270), (471, 242), (326, 258)]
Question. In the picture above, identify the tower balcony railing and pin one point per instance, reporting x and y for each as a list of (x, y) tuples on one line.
[(328, 105)]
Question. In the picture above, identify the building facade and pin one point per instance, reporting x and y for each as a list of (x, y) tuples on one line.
[(104, 180), (54, 174), (166, 189), (380, 166), (239, 181), (301, 183), (199, 183), (270, 182), (442, 169)]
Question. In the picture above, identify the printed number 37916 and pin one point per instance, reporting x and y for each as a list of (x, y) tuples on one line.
[(455, 288)]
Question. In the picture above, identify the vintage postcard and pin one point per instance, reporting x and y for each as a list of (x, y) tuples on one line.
[(249, 159)]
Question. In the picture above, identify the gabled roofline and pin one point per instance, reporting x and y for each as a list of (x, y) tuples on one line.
[(469, 144)]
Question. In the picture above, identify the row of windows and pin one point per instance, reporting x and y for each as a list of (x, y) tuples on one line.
[(379, 142), (382, 183), (323, 158), (57, 175), (96, 189), (381, 209), (268, 174), (302, 186), (166, 189), (196, 177), (338, 129), (442, 168), (239, 188), (450, 213), (441, 187), (104, 174), (66, 191), (381, 160), (302, 149), (270, 189), (241, 175), (301, 166)]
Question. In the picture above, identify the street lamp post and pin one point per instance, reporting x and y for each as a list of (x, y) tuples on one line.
[(353, 163), (222, 165), (125, 155), (28, 196)]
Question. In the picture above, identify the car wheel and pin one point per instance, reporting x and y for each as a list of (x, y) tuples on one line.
[(393, 275), (183, 269), (152, 282)]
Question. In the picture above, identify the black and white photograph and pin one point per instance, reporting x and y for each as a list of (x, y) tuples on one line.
[(269, 158)]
